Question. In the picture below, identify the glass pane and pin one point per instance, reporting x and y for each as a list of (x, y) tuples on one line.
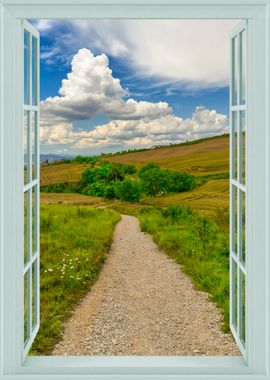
[(243, 67), (235, 142), (26, 226), (26, 306), (243, 307), (34, 70), (26, 67), (34, 294), (234, 71), (34, 145), (34, 220), (26, 143), (234, 220), (242, 135), (234, 294), (242, 225)]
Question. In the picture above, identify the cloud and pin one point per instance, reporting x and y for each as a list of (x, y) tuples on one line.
[(90, 89), (139, 133), (194, 53)]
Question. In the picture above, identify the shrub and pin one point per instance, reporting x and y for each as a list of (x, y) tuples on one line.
[(115, 174), (147, 167), (95, 189), (153, 181), (127, 190), (178, 182), (62, 188), (109, 192), (128, 169)]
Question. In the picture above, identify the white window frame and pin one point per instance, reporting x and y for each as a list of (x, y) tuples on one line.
[(258, 207)]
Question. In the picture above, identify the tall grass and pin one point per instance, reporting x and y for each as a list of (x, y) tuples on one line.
[(198, 243), (74, 244)]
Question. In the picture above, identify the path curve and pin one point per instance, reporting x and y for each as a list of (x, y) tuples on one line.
[(143, 304)]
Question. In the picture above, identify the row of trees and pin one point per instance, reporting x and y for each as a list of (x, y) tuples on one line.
[(122, 181)]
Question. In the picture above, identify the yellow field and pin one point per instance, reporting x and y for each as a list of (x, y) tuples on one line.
[(60, 173), (210, 156), (206, 157), (207, 198)]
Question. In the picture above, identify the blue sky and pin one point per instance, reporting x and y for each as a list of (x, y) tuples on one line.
[(133, 83)]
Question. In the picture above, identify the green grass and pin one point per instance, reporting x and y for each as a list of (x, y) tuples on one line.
[(198, 243), (74, 244)]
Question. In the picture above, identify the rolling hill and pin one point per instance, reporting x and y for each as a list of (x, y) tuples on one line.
[(202, 157)]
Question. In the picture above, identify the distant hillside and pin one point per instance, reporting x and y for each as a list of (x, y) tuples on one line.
[(206, 156), (53, 157), (203, 157)]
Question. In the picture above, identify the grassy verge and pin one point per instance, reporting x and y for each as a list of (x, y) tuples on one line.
[(198, 244), (74, 244)]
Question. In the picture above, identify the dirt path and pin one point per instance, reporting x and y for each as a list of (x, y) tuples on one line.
[(143, 304)]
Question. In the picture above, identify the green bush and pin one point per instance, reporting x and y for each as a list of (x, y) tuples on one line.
[(96, 189), (156, 181), (115, 174), (128, 169), (109, 192), (147, 167), (62, 188), (127, 190)]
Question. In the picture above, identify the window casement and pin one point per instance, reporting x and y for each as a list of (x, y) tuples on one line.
[(249, 188)]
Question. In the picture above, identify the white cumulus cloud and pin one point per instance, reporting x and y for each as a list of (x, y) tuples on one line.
[(90, 89), (139, 133)]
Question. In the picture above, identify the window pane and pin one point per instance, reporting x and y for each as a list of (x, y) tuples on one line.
[(26, 306), (34, 220), (234, 294), (242, 135), (26, 143), (234, 144), (34, 145), (234, 71), (34, 70), (34, 294), (26, 226), (242, 225), (243, 67), (243, 307), (26, 67), (234, 212)]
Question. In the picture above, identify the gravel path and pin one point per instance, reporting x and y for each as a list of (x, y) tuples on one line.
[(143, 304)]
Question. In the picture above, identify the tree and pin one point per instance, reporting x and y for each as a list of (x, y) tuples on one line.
[(127, 190), (153, 181)]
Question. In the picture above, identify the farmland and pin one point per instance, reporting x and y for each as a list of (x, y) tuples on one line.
[(207, 159)]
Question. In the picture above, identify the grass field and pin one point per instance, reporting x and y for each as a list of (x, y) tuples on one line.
[(74, 244)]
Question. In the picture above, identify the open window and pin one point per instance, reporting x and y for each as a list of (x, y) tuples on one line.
[(19, 197), (238, 186), (31, 184), (237, 183)]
